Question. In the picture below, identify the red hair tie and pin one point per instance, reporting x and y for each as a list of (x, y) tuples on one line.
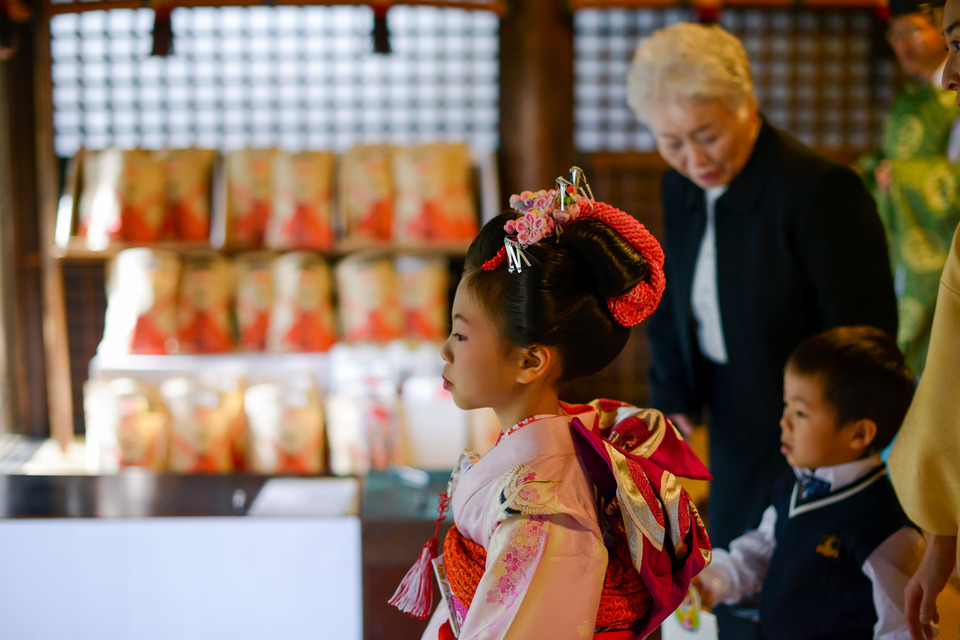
[(632, 307), (496, 260)]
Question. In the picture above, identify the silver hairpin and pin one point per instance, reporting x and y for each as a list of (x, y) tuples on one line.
[(516, 256), (577, 175)]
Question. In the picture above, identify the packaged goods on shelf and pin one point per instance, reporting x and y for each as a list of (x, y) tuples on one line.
[(205, 304), (302, 317), (286, 427), (365, 192), (268, 198), (434, 193), (423, 284), (207, 425), (368, 299), (254, 299), (361, 427), (141, 312), (123, 197), (434, 430), (364, 406), (249, 196), (127, 425), (302, 216), (188, 175)]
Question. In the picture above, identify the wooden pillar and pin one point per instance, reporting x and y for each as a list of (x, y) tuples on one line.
[(536, 94), (24, 390), (60, 400)]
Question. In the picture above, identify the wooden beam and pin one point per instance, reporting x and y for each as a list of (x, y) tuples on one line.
[(8, 390), (59, 394), (24, 393), (715, 5), (496, 6)]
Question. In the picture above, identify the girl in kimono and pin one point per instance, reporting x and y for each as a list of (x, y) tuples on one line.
[(573, 525)]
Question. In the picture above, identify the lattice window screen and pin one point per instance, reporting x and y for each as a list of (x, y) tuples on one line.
[(295, 77), (816, 73)]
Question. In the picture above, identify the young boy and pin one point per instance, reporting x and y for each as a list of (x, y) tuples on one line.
[(834, 551)]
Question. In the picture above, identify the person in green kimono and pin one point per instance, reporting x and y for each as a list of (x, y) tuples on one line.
[(913, 177)]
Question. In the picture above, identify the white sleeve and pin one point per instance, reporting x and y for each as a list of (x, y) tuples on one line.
[(889, 568), (740, 571), (953, 144)]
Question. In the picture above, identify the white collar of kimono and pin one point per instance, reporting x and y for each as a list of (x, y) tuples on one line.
[(937, 78)]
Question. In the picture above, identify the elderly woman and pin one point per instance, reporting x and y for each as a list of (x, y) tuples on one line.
[(766, 243)]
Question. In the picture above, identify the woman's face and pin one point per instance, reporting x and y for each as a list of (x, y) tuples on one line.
[(704, 140), (917, 44), (951, 30)]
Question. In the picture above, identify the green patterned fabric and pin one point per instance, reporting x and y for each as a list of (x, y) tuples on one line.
[(920, 209), (919, 122)]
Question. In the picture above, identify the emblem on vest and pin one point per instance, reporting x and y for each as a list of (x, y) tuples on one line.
[(829, 546)]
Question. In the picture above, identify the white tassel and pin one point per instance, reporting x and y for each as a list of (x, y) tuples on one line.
[(414, 596)]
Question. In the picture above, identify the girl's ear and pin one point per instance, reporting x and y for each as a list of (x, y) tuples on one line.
[(535, 363), (862, 433)]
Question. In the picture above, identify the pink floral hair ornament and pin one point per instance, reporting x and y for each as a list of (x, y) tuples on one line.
[(546, 213)]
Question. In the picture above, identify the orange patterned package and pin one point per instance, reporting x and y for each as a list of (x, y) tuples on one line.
[(434, 200), (302, 216), (206, 297), (369, 299), (286, 427), (202, 421), (141, 303), (189, 175), (424, 285), (366, 193), (126, 425), (89, 163), (250, 176), (254, 298), (124, 197), (302, 317)]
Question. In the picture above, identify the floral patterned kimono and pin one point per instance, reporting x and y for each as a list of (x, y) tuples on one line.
[(532, 503), (919, 207)]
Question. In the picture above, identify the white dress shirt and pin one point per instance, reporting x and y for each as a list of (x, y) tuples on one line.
[(740, 571), (953, 143), (704, 297)]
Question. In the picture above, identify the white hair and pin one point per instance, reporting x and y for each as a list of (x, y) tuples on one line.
[(688, 62)]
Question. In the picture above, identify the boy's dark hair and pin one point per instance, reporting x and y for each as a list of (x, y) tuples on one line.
[(560, 300), (863, 375)]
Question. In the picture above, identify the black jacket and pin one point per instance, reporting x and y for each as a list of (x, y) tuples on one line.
[(800, 249)]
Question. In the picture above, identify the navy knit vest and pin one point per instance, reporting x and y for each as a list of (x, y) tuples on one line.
[(815, 587)]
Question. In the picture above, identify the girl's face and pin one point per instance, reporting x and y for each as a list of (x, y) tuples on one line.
[(479, 370), (704, 141), (951, 31)]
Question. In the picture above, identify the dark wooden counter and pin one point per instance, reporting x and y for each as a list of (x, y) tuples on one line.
[(127, 495), (397, 519)]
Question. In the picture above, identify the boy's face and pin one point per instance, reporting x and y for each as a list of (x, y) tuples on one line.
[(809, 436)]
